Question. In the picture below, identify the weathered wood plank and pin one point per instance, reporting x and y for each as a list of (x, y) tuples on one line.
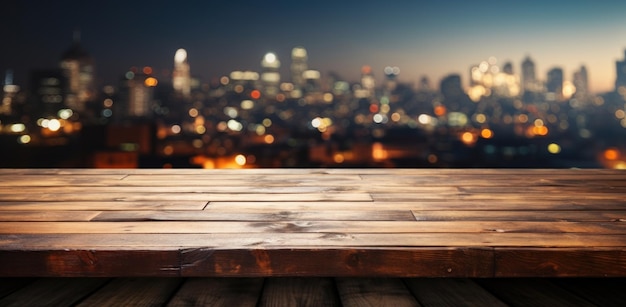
[(52, 292), (243, 292), (418, 205), (217, 189), (451, 292), (49, 216), (161, 196), (350, 227), (374, 292), (139, 241), (501, 215), (67, 262), (279, 292), (266, 215), (562, 262), (354, 262), (403, 197), (133, 292), (51, 206)]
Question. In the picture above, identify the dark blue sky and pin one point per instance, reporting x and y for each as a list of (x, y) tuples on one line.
[(431, 38)]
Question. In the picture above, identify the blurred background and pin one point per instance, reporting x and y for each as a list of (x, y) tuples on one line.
[(254, 84)]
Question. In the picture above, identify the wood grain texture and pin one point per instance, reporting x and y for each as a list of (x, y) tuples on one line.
[(52, 292), (353, 262), (313, 222), (374, 292), (218, 292), (133, 292), (297, 291)]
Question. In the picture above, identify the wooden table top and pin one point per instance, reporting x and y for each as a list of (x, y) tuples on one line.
[(313, 222)]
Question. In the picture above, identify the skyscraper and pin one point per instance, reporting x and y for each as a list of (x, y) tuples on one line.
[(78, 68), (137, 93), (181, 78), (620, 67), (299, 65), (50, 91), (270, 77), (507, 68), (581, 83), (9, 90), (528, 75), (554, 83), (450, 87)]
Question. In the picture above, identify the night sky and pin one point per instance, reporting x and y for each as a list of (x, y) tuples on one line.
[(433, 38)]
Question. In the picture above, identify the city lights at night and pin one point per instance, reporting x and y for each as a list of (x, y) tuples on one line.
[(350, 84)]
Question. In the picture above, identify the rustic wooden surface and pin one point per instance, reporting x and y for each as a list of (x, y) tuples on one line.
[(313, 222), (312, 291)]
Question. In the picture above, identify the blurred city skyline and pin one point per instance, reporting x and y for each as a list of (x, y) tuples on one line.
[(423, 39)]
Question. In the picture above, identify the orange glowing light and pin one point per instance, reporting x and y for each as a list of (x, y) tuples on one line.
[(540, 130), (366, 70), (147, 70), (338, 158), (486, 133), (373, 108), (255, 94), (269, 139), (379, 152), (611, 154), (151, 82), (440, 110), (468, 138)]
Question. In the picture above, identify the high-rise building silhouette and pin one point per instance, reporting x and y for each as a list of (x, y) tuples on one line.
[(138, 92), (620, 67), (581, 83), (9, 90), (299, 65), (270, 77), (554, 83), (181, 78), (450, 87), (78, 68), (529, 78), (507, 68), (49, 88)]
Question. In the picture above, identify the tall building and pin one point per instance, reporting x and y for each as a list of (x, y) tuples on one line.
[(299, 65), (181, 77), (507, 68), (78, 68), (620, 67), (450, 87), (49, 88), (581, 83), (138, 93), (270, 77), (554, 83), (529, 79), (9, 91)]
